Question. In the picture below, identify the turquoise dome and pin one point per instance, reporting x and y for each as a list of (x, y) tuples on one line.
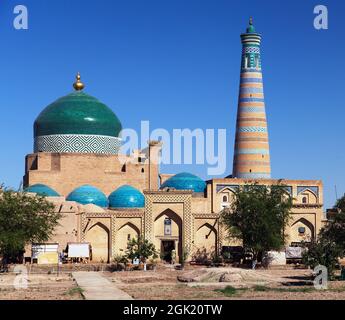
[(77, 113), (42, 190), (185, 181), (87, 194), (126, 197)]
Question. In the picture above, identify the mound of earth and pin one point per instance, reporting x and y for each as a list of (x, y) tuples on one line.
[(233, 276)]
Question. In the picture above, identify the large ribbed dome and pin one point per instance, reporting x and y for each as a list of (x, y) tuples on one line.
[(185, 181), (77, 122), (126, 197), (88, 194)]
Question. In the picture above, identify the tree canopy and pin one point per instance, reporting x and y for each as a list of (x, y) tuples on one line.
[(258, 216), (24, 219), (330, 245), (141, 248)]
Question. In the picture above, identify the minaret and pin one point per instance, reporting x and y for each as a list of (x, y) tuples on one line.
[(251, 154)]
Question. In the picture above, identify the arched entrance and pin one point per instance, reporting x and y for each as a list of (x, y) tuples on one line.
[(168, 235), (98, 237), (302, 230)]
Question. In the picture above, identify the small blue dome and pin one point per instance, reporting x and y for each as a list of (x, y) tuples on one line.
[(42, 190), (88, 194), (185, 181), (126, 197)]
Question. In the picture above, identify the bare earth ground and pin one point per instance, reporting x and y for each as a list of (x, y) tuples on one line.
[(291, 284), (40, 287), (162, 284)]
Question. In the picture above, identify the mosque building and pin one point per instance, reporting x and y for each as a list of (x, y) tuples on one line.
[(108, 198)]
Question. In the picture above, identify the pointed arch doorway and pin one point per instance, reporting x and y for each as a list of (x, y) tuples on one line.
[(168, 235)]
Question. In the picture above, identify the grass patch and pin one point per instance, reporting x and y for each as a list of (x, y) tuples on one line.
[(230, 291), (303, 289), (266, 289), (74, 291), (259, 288)]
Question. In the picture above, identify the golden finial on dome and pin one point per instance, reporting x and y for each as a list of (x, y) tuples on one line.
[(78, 85)]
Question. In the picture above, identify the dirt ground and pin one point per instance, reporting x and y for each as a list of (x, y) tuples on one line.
[(290, 284), (38, 287), (163, 284)]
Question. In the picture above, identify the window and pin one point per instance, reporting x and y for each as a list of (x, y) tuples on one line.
[(304, 200), (301, 230), (167, 227), (142, 170), (225, 199), (206, 236), (129, 237)]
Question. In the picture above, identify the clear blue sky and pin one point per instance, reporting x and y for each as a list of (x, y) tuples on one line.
[(176, 63)]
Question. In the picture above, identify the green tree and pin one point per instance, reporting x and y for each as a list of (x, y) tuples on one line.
[(258, 217), (340, 204), (141, 248), (334, 231), (322, 252), (24, 219), (330, 245)]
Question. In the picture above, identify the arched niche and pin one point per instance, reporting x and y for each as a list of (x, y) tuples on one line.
[(98, 236), (126, 233), (307, 197), (302, 230), (206, 238)]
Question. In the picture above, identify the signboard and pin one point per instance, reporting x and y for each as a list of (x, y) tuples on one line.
[(294, 252), (48, 258), (78, 250), (37, 249)]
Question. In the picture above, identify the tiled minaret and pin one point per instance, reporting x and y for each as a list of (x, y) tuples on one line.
[(251, 155)]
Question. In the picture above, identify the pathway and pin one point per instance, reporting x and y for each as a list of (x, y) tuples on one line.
[(96, 287)]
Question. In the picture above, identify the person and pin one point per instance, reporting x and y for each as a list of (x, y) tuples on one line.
[(61, 257), (173, 256)]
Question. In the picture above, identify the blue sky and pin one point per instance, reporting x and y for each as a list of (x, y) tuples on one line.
[(176, 64)]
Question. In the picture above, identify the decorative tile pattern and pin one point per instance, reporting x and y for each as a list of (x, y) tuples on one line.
[(314, 189), (252, 151), (230, 186), (251, 50), (77, 143), (251, 129), (113, 236)]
